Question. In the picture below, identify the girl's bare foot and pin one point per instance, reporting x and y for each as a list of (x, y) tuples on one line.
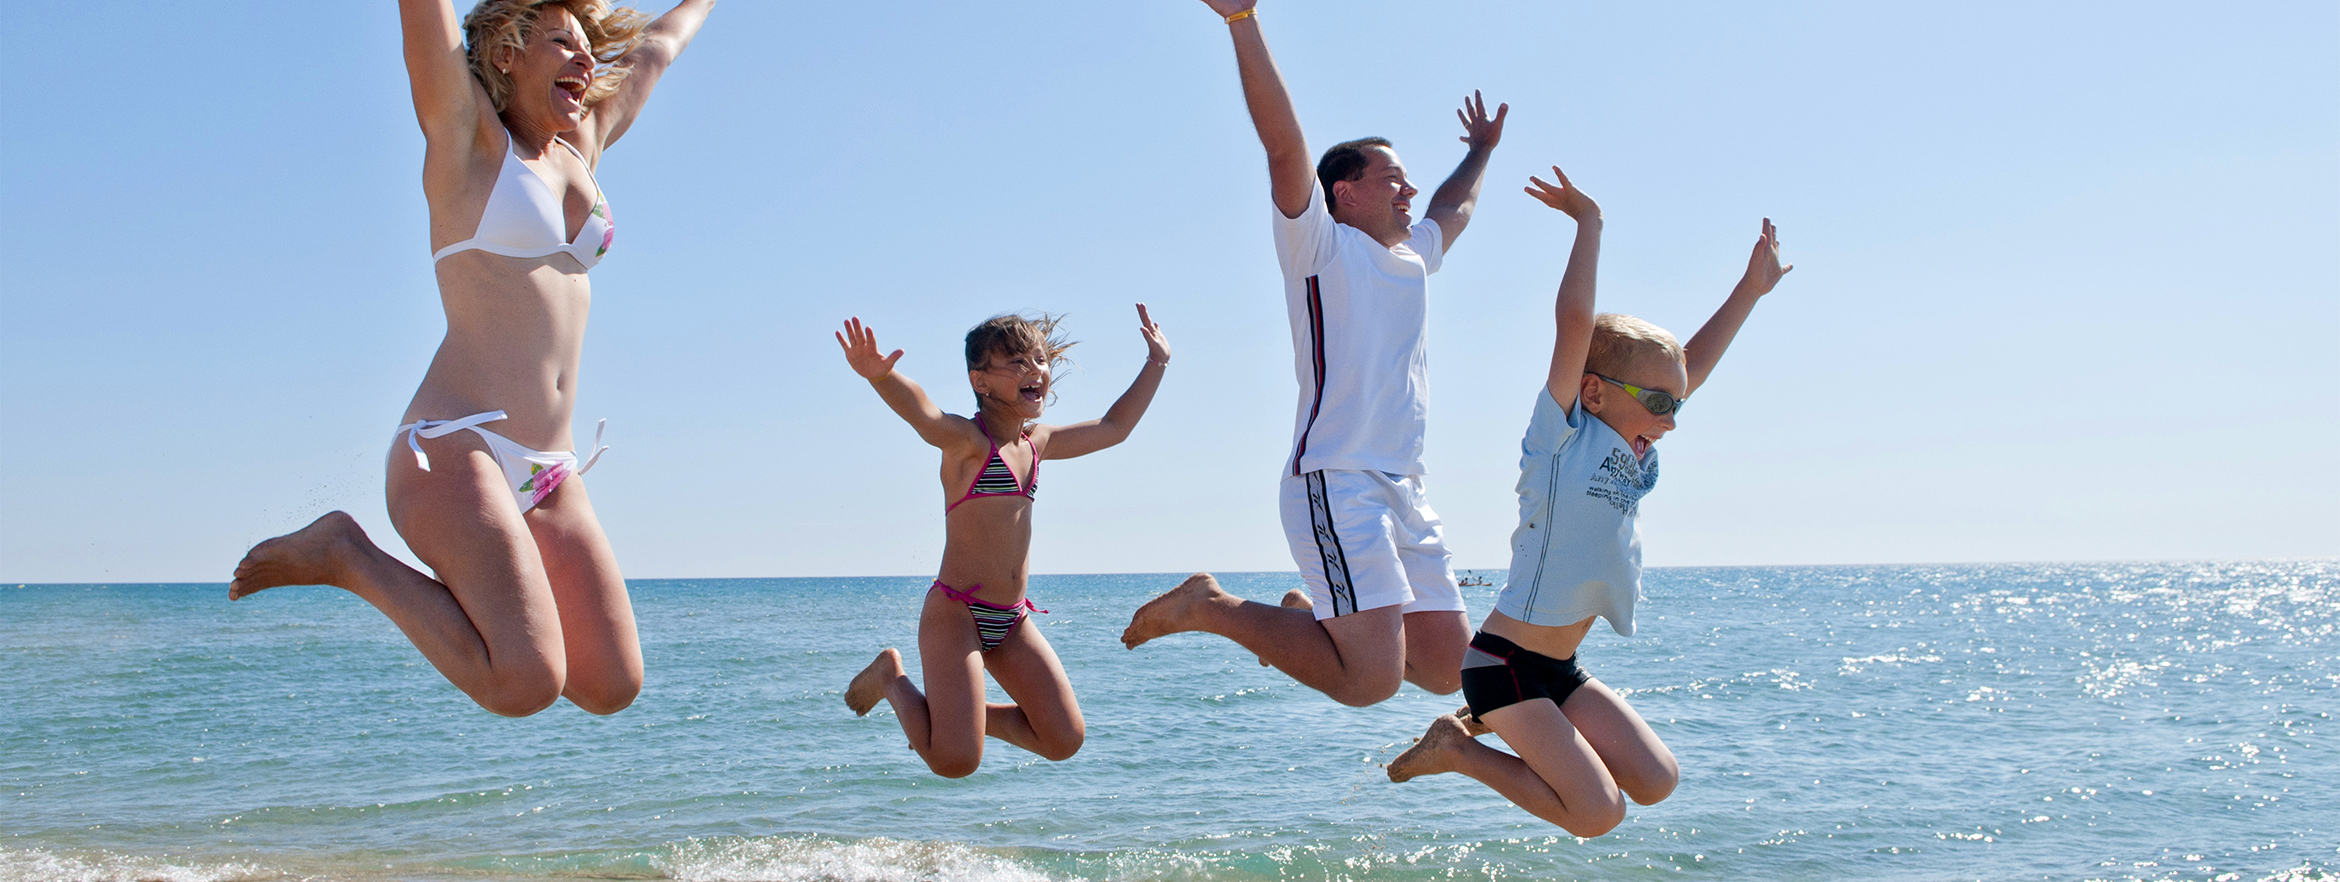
[(312, 555), (1433, 753), (869, 687), (1293, 599), (1172, 612)]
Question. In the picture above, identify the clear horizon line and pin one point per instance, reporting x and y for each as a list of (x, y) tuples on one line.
[(4, 583)]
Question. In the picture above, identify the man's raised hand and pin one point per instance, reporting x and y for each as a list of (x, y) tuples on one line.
[(861, 352), (1479, 130), (1763, 266), (1565, 197), (1229, 7), (1157, 346)]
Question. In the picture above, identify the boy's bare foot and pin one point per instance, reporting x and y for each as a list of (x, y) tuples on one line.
[(1170, 613), (311, 555), (1293, 599), (1433, 753), (869, 687), (1471, 723)]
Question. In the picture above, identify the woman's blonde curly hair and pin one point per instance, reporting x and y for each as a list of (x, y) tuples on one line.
[(612, 31)]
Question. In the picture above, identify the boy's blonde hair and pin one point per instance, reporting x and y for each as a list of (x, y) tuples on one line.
[(504, 24), (1618, 339)]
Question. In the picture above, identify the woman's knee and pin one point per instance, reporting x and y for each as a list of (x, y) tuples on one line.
[(954, 764), (520, 694), (604, 695), (1597, 821)]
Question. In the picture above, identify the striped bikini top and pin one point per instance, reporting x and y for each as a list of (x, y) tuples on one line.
[(997, 479)]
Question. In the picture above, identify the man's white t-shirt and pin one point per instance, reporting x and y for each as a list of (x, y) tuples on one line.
[(1359, 314)]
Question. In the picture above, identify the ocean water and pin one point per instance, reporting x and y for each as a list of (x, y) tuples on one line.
[(2096, 721)]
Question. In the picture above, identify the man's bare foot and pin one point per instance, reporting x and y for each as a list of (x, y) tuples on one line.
[(1433, 753), (1293, 599), (1471, 723), (869, 687), (1172, 612), (312, 555)]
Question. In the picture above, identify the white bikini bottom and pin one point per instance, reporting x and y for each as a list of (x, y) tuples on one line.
[(532, 473)]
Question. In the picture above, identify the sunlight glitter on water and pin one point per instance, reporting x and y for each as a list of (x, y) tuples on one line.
[(2114, 721)]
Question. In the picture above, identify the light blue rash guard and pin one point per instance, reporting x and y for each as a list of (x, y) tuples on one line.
[(1577, 551)]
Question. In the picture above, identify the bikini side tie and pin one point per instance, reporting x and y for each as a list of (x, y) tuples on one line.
[(598, 450), (442, 428)]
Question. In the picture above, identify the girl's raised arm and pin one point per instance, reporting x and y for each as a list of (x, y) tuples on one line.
[(908, 401), (448, 103), (1066, 442), (661, 44)]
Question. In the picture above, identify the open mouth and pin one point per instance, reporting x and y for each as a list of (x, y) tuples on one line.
[(1641, 445), (572, 87), (1032, 392)]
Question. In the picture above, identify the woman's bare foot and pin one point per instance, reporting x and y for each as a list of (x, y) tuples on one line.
[(1433, 753), (1293, 599), (1471, 724), (869, 687), (1172, 612), (312, 555)]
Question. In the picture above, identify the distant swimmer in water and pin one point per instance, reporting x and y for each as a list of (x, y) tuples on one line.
[(975, 616), (1614, 387), (525, 604), (1380, 606)]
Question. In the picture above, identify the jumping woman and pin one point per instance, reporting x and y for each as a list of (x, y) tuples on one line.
[(524, 604)]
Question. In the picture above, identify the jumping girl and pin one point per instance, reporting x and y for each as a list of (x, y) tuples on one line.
[(973, 617)]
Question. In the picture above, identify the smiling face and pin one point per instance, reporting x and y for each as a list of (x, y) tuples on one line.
[(1014, 384), (551, 74), (1618, 409), (1380, 201)]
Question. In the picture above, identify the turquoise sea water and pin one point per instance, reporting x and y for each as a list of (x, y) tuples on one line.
[(2102, 721)]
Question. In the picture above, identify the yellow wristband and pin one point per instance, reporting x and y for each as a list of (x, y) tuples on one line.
[(1242, 15)]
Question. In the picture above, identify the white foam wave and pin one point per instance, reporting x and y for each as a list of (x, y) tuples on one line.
[(37, 865), (812, 859)]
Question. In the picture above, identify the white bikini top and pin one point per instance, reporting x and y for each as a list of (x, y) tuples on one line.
[(524, 218)]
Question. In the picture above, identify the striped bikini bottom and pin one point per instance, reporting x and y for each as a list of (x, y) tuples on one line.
[(992, 621)]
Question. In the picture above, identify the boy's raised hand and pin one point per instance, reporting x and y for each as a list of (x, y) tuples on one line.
[(1564, 196), (861, 352), (1157, 346), (1763, 266), (1229, 7), (1479, 130)]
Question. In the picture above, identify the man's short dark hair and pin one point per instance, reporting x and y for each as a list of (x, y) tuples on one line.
[(1346, 161)]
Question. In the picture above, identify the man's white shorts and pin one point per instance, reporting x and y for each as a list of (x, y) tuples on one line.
[(1366, 540)]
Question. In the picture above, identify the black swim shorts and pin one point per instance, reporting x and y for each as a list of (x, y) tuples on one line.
[(1497, 673)]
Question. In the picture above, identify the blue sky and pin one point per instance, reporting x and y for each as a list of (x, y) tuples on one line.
[(2063, 286)]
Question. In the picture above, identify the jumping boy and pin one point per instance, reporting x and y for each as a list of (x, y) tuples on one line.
[(1381, 604), (1616, 383)]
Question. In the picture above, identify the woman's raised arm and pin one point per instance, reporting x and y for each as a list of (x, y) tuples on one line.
[(662, 42), (447, 101)]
